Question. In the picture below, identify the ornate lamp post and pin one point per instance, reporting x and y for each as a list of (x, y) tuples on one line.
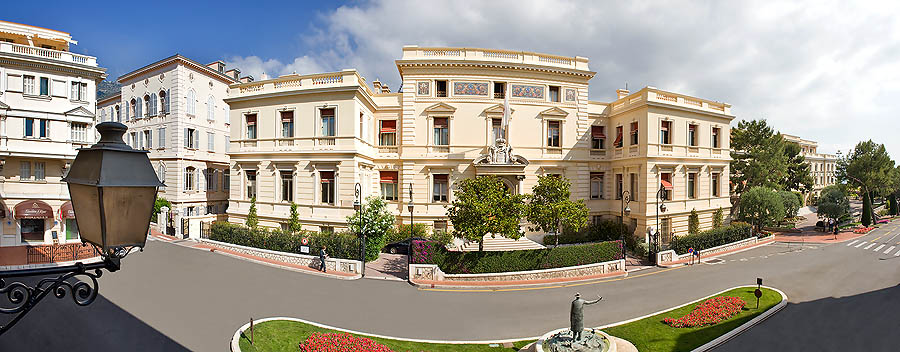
[(409, 250), (113, 189), (654, 238), (626, 198), (357, 206)]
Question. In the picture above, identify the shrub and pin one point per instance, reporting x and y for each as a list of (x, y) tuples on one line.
[(711, 311), (252, 220), (606, 230), (711, 238), (336, 342), (157, 205), (693, 222), (339, 245), (401, 232), (431, 252), (717, 218)]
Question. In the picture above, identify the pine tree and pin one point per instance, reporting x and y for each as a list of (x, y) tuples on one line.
[(294, 225), (866, 210), (693, 222), (252, 221), (717, 218), (893, 208)]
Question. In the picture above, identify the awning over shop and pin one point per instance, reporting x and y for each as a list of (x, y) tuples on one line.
[(66, 211), (33, 209)]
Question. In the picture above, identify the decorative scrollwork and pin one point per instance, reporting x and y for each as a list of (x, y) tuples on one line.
[(23, 297)]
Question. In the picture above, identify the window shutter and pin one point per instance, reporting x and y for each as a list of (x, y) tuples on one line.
[(149, 139), (197, 139), (168, 97), (187, 138)]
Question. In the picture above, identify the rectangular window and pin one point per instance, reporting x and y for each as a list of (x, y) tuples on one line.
[(441, 131), (148, 139), (387, 134), (28, 86), (29, 127), (327, 122), (715, 137), (634, 133), (79, 91), (134, 140), (251, 126), (162, 137), (287, 186), (327, 185), (441, 185), (499, 90), (692, 185), (496, 129), (553, 134), (211, 141), (665, 132), (388, 184), (45, 86), (44, 130), (189, 178), (440, 226), (618, 143), (619, 186), (32, 229), (191, 138), (692, 135), (251, 184), (79, 132), (633, 187), (554, 94), (287, 124), (71, 229), (715, 184), (666, 180), (210, 177), (226, 179), (596, 185), (440, 89), (25, 170)]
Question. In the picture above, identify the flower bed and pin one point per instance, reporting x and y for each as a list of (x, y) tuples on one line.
[(862, 230), (711, 311), (340, 342), (430, 252)]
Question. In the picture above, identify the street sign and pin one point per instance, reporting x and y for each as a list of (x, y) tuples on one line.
[(304, 249), (758, 294), (305, 241)]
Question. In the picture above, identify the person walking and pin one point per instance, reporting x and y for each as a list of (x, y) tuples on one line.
[(322, 256)]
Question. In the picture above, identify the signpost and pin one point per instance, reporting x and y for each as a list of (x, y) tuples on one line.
[(304, 248), (691, 252), (758, 292)]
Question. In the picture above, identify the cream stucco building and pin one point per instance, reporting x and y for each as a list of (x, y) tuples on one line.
[(174, 108), (821, 166), (47, 108), (310, 138)]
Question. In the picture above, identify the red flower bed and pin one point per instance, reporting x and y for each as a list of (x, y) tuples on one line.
[(340, 342), (862, 230), (711, 311)]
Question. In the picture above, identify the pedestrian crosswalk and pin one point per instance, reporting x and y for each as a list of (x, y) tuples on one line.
[(891, 249)]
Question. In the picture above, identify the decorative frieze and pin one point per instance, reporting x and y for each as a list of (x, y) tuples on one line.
[(470, 88), (423, 88), (527, 91), (570, 94)]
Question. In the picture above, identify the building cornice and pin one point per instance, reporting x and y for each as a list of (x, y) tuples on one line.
[(29, 62), (176, 59), (491, 65)]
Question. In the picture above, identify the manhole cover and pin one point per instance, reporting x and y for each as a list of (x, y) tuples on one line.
[(714, 261)]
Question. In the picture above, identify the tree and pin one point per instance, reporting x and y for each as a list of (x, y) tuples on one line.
[(833, 204), (892, 202), (551, 210), (294, 223), (693, 222), (791, 203), (798, 176), (866, 210), (868, 167), (160, 202), (758, 156), (762, 206), (717, 218), (252, 221), (375, 221), (483, 205)]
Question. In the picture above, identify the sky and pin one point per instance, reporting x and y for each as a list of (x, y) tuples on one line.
[(824, 70)]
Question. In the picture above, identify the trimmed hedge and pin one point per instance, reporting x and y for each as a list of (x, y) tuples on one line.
[(606, 230), (430, 252), (338, 245), (711, 238)]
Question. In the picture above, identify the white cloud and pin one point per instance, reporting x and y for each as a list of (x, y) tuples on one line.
[(824, 70)]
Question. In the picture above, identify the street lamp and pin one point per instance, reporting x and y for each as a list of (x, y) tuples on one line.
[(626, 198), (113, 188), (357, 207), (654, 238), (409, 249)]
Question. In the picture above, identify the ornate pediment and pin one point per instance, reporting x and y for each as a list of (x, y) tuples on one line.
[(555, 112), (80, 112), (440, 108), (497, 110)]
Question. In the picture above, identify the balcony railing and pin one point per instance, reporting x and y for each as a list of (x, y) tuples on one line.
[(63, 56)]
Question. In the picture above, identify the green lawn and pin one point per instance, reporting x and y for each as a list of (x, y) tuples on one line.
[(652, 335), (283, 335)]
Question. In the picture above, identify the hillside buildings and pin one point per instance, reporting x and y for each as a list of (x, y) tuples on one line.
[(821, 166), (47, 109), (174, 108), (310, 139)]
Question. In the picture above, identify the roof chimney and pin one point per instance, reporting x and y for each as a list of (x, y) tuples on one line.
[(376, 86), (246, 79), (621, 93), (234, 74), (263, 76), (217, 66)]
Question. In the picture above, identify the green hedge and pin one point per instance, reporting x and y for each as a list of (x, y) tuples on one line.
[(430, 252), (711, 238), (338, 245), (606, 230)]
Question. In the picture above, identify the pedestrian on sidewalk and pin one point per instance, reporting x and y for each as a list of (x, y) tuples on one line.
[(322, 256)]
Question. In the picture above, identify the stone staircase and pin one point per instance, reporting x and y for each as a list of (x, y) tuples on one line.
[(501, 244)]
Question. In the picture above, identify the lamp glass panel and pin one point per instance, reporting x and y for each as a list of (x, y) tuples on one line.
[(128, 211), (86, 204)]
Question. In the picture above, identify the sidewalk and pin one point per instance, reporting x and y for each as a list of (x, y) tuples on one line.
[(816, 237)]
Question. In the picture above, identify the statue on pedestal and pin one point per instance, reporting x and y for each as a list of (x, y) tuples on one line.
[(577, 315)]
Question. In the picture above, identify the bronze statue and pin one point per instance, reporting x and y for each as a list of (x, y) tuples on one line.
[(577, 315)]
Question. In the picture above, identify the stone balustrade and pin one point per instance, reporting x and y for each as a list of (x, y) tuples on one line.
[(431, 272), (57, 55)]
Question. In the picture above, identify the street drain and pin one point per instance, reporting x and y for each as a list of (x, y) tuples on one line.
[(714, 261)]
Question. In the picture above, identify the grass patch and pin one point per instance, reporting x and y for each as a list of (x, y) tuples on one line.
[(652, 334), (285, 335)]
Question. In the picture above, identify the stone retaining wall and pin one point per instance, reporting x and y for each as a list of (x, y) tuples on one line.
[(432, 272), (670, 256), (331, 264)]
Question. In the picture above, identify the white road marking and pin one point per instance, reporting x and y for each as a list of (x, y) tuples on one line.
[(897, 254), (889, 250), (869, 246), (860, 244), (851, 243), (879, 248)]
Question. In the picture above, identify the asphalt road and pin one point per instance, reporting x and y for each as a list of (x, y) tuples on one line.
[(175, 298)]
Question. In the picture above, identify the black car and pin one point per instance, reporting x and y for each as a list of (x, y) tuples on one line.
[(400, 246)]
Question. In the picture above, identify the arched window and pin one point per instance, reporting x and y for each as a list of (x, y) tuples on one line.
[(164, 101), (118, 114), (152, 100), (132, 109), (161, 172), (148, 110), (191, 102), (139, 112), (211, 108), (190, 178)]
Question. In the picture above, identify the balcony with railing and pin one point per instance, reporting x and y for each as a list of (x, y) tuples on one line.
[(55, 55), (414, 52), (294, 82), (653, 95)]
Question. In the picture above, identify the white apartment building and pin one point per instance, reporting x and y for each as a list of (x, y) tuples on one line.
[(174, 108), (309, 139), (821, 166), (47, 109)]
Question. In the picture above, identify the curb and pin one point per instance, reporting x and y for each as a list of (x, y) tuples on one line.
[(235, 339), (476, 284), (735, 251)]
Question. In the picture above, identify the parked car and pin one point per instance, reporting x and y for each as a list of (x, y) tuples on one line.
[(400, 246)]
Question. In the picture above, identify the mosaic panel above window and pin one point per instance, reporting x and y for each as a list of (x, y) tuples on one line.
[(470, 88), (526, 91), (570, 94), (423, 88)]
